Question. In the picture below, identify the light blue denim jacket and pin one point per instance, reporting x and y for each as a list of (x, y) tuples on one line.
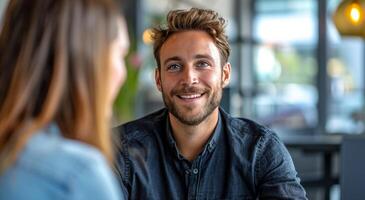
[(53, 167)]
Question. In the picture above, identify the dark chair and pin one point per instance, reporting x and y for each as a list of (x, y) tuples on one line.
[(352, 178)]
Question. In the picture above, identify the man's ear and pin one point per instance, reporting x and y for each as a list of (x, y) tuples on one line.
[(158, 79), (226, 74)]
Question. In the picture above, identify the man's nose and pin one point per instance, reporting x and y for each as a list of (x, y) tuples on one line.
[(190, 76)]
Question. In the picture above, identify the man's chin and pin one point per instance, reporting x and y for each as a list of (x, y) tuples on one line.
[(190, 112), (192, 118), (189, 117), (190, 121)]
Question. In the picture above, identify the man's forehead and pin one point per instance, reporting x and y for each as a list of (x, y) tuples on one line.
[(194, 43)]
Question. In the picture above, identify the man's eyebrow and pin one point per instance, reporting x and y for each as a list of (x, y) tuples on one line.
[(204, 56), (174, 58), (177, 58)]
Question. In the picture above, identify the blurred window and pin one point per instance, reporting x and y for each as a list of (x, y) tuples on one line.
[(3, 4), (285, 63), (345, 68)]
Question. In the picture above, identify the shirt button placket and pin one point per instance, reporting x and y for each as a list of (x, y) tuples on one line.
[(193, 183)]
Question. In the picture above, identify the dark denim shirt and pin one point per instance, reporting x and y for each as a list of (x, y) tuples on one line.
[(242, 160)]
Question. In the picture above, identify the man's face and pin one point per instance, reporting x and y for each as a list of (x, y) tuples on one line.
[(191, 77)]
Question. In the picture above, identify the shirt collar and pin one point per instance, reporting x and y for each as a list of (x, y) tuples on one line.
[(210, 146)]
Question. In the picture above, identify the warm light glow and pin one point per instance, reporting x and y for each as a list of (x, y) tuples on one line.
[(349, 18), (355, 13), (147, 36)]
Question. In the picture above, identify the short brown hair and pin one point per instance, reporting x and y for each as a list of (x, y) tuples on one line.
[(193, 19)]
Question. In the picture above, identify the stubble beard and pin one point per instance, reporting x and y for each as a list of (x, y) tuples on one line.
[(181, 113)]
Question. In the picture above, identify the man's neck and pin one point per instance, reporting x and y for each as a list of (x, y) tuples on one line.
[(191, 140)]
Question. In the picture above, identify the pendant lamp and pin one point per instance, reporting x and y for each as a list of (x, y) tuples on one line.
[(349, 18)]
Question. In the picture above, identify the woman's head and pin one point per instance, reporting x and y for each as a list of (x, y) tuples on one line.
[(61, 62)]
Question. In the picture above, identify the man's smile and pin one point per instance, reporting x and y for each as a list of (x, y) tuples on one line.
[(190, 96)]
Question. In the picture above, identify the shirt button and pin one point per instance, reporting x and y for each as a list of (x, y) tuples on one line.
[(195, 171)]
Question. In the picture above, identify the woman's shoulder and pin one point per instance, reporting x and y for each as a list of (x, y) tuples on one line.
[(63, 165), (51, 153)]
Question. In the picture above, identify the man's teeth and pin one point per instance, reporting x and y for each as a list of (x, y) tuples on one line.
[(192, 96)]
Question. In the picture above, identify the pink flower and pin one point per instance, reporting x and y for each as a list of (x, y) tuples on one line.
[(135, 60)]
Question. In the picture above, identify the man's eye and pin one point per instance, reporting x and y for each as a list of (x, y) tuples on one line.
[(203, 64), (174, 67)]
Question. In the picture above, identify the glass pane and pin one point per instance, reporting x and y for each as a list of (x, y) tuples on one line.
[(285, 64), (345, 69)]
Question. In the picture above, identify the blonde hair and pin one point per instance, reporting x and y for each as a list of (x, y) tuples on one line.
[(193, 19), (53, 68)]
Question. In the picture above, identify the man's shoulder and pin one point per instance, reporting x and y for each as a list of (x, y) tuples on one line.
[(142, 126), (244, 127)]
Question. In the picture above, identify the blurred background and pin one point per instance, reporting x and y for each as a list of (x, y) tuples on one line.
[(292, 71)]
